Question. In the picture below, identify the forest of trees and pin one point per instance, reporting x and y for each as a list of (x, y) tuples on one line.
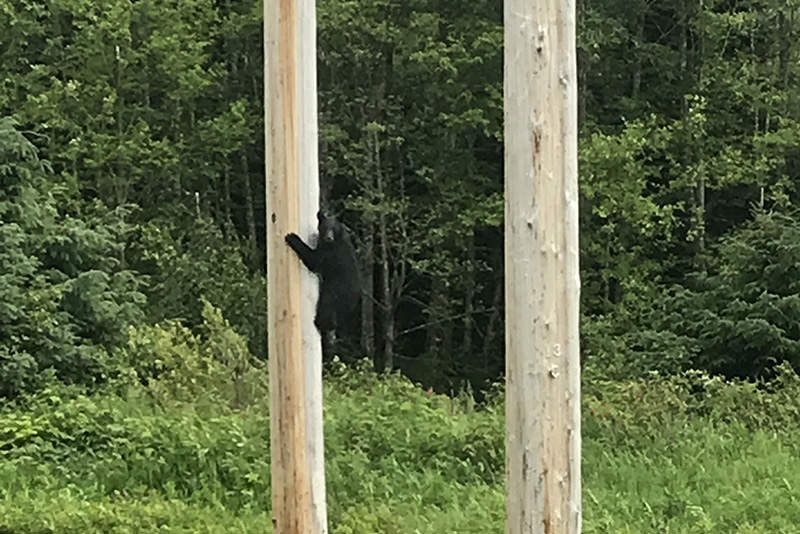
[(132, 182)]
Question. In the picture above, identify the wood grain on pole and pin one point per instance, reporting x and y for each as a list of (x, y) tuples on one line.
[(542, 280), (295, 360)]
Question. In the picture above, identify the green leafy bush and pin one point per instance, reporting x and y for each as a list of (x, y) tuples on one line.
[(195, 261), (109, 446), (179, 366), (638, 409), (614, 349)]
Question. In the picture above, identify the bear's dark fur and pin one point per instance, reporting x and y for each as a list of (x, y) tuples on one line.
[(334, 261)]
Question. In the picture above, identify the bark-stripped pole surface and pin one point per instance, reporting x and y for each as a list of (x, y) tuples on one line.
[(295, 356), (542, 281)]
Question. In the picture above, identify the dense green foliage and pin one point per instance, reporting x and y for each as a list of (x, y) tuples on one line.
[(149, 115), (65, 297), (688, 454), (741, 316)]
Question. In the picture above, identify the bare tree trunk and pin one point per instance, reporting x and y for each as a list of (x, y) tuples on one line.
[(387, 302), (698, 196), (469, 298), (439, 329), (368, 294), (785, 28), (785, 25), (637, 67), (227, 221), (252, 242), (491, 328), (701, 209), (755, 103), (120, 184), (367, 255), (584, 63), (683, 56), (700, 188)]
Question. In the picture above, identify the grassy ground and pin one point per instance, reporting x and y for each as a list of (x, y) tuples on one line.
[(659, 456)]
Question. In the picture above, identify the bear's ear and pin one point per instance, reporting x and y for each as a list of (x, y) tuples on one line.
[(320, 215)]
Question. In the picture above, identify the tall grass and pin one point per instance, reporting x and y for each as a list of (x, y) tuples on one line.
[(689, 454)]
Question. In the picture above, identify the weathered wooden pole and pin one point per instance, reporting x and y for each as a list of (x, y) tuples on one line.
[(542, 281), (295, 355)]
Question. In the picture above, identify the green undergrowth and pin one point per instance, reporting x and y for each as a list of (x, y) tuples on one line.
[(689, 454), (68, 511)]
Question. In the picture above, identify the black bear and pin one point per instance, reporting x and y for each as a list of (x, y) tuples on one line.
[(334, 261)]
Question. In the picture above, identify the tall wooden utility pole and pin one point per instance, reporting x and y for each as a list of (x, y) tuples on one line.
[(295, 354), (542, 280)]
